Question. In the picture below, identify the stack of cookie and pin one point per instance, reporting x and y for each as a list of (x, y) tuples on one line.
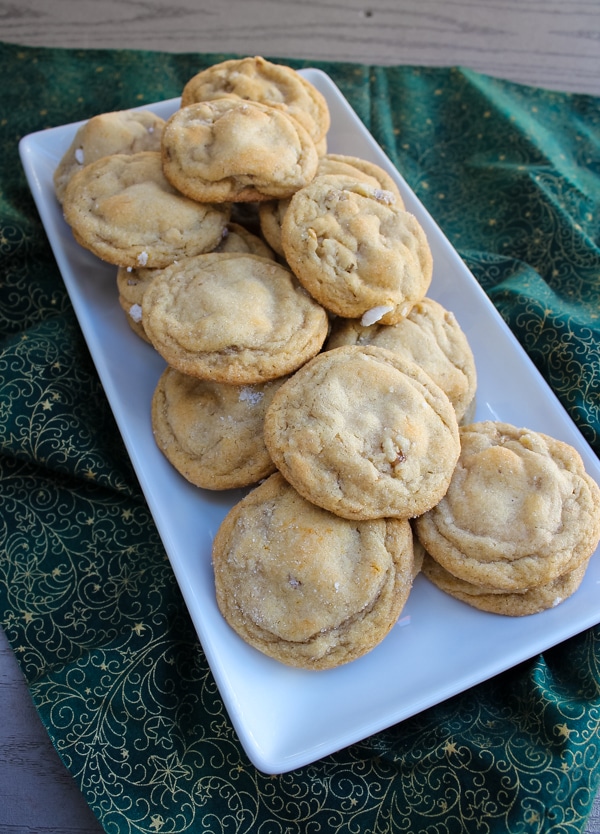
[(286, 289), (520, 520), (157, 200)]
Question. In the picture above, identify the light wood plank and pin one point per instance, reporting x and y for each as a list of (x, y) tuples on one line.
[(546, 43)]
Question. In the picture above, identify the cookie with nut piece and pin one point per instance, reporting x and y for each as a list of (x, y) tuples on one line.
[(210, 432), (429, 335), (271, 213), (354, 250)]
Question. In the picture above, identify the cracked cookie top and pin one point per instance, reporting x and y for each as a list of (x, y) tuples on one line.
[(232, 150), (520, 510), (256, 79), (306, 587), (364, 434), (122, 208), (233, 318), (355, 250), (121, 131)]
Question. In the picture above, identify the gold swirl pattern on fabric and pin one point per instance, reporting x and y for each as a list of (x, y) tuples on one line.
[(88, 599)]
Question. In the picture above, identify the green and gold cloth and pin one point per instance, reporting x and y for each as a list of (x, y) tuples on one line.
[(88, 600)]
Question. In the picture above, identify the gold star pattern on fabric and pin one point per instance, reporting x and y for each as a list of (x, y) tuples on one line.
[(69, 493), (563, 731)]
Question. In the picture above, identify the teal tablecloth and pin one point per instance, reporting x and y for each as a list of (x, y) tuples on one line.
[(88, 600)]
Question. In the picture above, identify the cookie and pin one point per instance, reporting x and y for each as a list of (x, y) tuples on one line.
[(210, 432), (122, 209), (364, 434), (227, 150), (133, 313), (355, 251), (306, 587), (272, 212), (123, 131), (270, 215), (363, 169), (237, 319), (507, 603), (131, 285), (256, 79), (238, 239), (429, 335), (419, 557), (520, 510)]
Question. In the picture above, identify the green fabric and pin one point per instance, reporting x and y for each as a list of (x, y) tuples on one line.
[(88, 599)]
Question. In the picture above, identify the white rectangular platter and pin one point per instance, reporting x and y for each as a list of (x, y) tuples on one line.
[(287, 718)]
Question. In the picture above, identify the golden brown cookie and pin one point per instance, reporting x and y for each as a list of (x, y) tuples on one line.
[(306, 587), (123, 209), (429, 335), (123, 131), (238, 319), (237, 238), (419, 556), (363, 169), (227, 150), (364, 434), (133, 313), (131, 285), (507, 603), (520, 510), (256, 79), (270, 215), (272, 212), (355, 251), (210, 432)]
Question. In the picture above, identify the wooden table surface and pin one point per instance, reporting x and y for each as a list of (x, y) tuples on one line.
[(541, 42)]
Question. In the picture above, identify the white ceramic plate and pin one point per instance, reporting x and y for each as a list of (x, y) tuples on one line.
[(286, 718)]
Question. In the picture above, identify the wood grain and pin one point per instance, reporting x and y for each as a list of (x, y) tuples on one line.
[(539, 42), (37, 793)]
